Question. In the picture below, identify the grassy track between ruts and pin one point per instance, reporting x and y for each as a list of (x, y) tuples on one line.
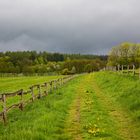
[(95, 115), (88, 119)]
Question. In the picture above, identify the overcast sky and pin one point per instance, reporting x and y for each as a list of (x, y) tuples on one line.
[(68, 26)]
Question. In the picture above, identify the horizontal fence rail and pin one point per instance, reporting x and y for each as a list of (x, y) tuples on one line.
[(128, 69), (34, 92)]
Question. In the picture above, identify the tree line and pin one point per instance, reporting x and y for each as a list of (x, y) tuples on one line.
[(44, 62), (125, 54)]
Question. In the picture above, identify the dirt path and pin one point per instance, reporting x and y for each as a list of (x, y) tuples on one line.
[(100, 103), (123, 121)]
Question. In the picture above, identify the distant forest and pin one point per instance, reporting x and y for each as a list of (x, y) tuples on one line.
[(27, 62)]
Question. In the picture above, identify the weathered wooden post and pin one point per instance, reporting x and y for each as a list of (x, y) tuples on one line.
[(4, 114), (128, 69), (133, 69), (122, 68), (139, 72), (21, 100), (51, 82), (62, 80), (39, 91), (46, 86), (55, 84), (32, 92)]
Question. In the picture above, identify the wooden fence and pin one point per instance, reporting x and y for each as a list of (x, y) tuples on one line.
[(128, 69), (35, 92)]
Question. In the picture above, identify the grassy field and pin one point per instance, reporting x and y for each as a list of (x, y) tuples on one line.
[(100, 106), (11, 84)]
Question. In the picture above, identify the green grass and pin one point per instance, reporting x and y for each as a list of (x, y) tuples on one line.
[(96, 122), (88, 107), (11, 84), (42, 120), (124, 90), (88, 117)]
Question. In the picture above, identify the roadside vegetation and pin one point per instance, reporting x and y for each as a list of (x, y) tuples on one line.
[(42, 120), (123, 90), (100, 106)]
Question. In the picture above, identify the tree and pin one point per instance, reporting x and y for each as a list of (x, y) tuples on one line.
[(73, 70), (65, 71), (88, 68), (125, 54)]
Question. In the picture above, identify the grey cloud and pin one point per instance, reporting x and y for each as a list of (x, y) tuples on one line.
[(69, 26)]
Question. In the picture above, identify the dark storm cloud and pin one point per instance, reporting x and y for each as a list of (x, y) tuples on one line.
[(81, 26)]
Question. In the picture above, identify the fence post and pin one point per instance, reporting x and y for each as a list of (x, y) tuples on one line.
[(4, 114), (128, 69), (54, 84), (39, 91), (50, 86), (122, 68), (139, 72), (32, 92), (133, 69), (21, 100), (46, 86)]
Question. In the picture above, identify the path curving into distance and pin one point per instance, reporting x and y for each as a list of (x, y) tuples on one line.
[(93, 115)]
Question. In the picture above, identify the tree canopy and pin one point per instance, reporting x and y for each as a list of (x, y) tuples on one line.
[(125, 54), (44, 62)]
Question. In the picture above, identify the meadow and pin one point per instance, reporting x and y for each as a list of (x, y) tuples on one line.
[(11, 84), (100, 106)]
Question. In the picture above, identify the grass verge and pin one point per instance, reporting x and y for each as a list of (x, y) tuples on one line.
[(42, 120), (124, 91)]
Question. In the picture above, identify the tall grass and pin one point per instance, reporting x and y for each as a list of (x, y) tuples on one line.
[(124, 89), (42, 120)]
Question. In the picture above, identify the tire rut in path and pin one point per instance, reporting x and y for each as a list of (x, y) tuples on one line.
[(73, 121)]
